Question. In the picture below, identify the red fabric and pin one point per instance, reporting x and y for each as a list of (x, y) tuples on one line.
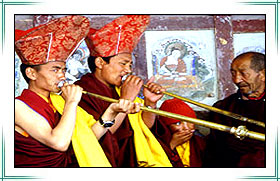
[(257, 98), (30, 152), (197, 149), (54, 41), (176, 106), (118, 36), (164, 135), (118, 147), (197, 145)]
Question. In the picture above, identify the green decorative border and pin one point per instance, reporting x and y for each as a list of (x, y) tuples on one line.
[(275, 176), (3, 174), (276, 8), (3, 5)]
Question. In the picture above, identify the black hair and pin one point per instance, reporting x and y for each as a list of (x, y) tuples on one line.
[(91, 62), (257, 60), (23, 67)]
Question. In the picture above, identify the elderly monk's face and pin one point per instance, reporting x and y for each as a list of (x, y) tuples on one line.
[(247, 80), (119, 66), (49, 75)]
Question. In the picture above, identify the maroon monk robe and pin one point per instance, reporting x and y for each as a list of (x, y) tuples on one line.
[(118, 147), (223, 149), (30, 152)]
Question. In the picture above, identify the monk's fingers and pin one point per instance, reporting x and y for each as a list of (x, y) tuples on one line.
[(133, 79), (135, 107), (152, 79), (125, 105), (155, 88), (128, 106)]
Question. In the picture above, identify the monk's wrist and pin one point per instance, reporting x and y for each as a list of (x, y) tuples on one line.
[(110, 112)]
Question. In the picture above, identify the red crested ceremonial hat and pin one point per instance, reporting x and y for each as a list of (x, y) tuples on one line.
[(54, 41), (176, 106), (119, 36)]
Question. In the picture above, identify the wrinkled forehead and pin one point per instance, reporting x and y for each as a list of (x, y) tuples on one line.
[(242, 62)]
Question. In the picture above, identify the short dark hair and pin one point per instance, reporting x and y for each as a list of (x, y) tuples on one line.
[(91, 62), (23, 67), (257, 60)]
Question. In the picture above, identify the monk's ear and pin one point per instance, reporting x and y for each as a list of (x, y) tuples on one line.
[(99, 62), (31, 73), (262, 75)]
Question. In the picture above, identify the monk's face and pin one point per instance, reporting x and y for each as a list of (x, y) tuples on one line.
[(118, 66), (48, 76), (181, 127), (246, 79)]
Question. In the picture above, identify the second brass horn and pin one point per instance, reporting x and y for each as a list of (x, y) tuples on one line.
[(239, 132), (217, 110)]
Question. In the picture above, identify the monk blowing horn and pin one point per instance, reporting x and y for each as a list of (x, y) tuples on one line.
[(214, 109), (241, 132)]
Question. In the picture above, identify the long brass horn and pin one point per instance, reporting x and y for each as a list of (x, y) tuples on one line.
[(241, 132), (217, 110)]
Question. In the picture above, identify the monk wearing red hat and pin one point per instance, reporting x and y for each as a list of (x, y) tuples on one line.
[(42, 134), (183, 141), (129, 143)]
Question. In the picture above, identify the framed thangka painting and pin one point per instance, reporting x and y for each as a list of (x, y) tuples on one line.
[(184, 63)]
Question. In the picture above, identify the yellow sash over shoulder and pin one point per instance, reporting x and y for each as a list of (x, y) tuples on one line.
[(87, 149), (184, 153), (149, 152)]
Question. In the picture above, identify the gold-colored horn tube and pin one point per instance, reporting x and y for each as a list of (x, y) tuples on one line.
[(217, 110), (239, 132)]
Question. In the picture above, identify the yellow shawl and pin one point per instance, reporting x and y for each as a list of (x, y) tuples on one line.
[(149, 152), (184, 153), (87, 149)]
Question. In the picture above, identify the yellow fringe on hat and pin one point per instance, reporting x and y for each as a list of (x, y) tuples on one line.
[(149, 152), (87, 149)]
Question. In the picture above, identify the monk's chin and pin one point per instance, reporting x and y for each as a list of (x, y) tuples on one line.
[(246, 93), (118, 84), (56, 90)]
